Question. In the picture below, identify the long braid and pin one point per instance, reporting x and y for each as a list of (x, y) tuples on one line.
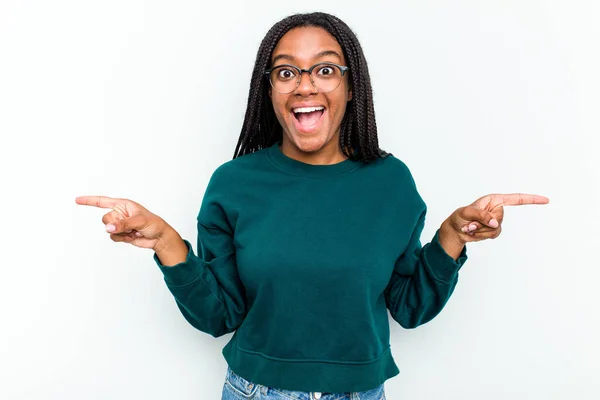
[(358, 134)]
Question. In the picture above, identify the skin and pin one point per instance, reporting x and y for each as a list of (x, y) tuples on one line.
[(130, 222), (305, 47), (480, 220)]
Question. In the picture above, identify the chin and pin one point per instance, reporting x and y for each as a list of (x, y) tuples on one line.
[(309, 143)]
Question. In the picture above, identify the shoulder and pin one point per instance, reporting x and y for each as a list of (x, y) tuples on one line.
[(232, 171), (391, 179), (392, 169), (228, 185)]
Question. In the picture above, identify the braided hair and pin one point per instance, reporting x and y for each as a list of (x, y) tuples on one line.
[(358, 133)]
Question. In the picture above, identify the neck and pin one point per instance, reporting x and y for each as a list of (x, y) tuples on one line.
[(329, 154)]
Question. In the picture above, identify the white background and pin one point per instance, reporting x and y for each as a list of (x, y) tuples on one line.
[(144, 99)]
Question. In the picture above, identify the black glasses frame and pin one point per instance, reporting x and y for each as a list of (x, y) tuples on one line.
[(343, 69)]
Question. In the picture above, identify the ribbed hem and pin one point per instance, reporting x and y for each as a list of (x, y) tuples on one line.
[(446, 267), (324, 377), (183, 273)]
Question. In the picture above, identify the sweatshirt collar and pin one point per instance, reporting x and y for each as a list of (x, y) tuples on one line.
[(283, 162)]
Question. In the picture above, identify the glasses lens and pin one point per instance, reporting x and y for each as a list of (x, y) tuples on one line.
[(325, 77), (284, 79)]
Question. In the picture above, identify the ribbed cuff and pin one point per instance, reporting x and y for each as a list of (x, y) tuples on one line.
[(183, 273), (443, 266)]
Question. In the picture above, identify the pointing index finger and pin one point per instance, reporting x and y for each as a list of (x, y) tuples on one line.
[(519, 199), (97, 201)]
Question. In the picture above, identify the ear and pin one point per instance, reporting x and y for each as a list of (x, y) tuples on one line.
[(270, 93)]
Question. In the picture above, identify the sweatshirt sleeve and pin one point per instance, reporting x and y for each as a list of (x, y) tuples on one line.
[(207, 287), (422, 281)]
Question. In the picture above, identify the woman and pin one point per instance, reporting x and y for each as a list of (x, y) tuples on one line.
[(312, 232)]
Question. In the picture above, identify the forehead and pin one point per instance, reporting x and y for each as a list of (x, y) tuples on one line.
[(303, 44)]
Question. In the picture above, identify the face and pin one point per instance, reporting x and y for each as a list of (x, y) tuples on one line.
[(317, 131)]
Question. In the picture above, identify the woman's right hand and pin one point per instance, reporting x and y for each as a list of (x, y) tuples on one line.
[(130, 222)]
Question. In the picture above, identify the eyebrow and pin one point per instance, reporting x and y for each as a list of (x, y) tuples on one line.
[(319, 55)]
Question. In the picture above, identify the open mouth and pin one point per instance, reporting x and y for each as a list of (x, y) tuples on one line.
[(307, 118)]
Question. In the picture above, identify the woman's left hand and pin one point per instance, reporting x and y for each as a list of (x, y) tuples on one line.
[(483, 218)]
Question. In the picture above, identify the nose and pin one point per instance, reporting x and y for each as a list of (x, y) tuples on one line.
[(305, 87)]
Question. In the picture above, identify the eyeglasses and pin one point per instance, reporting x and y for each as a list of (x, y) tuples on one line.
[(325, 77)]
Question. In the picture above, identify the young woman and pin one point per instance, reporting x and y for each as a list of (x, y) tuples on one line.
[(312, 232)]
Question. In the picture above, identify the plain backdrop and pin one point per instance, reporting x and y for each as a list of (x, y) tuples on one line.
[(144, 99)]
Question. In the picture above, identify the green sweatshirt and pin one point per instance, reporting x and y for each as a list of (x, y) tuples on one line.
[(303, 261)]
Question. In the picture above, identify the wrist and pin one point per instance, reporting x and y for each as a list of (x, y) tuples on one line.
[(451, 240), (451, 234), (167, 240), (171, 249)]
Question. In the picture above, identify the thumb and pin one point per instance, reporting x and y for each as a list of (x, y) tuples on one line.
[(136, 222), (486, 218)]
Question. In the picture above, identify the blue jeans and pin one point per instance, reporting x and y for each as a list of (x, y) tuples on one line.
[(238, 388)]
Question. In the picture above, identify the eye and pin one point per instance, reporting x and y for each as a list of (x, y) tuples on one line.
[(326, 70), (285, 74)]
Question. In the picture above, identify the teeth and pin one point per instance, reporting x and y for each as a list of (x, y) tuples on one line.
[(308, 109)]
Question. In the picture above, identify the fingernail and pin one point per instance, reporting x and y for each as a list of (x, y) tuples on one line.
[(465, 229), (110, 228), (472, 227), (138, 234), (493, 223)]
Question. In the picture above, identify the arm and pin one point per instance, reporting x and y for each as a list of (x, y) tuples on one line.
[(423, 279), (207, 287)]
